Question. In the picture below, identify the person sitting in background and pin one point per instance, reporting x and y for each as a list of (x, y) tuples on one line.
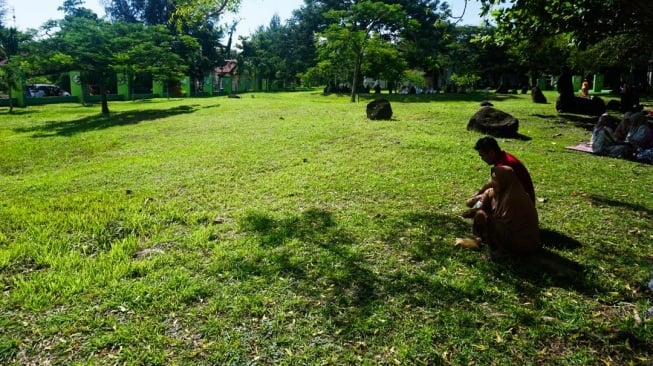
[(640, 134), (507, 219), (584, 89), (604, 142), (645, 156), (623, 127)]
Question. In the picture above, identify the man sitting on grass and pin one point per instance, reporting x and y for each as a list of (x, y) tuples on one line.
[(489, 150)]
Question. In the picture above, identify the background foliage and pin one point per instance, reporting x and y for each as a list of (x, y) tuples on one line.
[(340, 43)]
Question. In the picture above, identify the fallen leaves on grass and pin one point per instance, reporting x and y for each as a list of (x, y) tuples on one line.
[(468, 243)]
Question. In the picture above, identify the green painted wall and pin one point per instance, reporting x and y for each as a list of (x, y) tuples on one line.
[(577, 80), (208, 84), (18, 93), (226, 85), (185, 86), (124, 85), (76, 87), (541, 83), (597, 86), (157, 88)]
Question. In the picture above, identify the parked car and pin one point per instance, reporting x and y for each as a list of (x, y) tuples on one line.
[(46, 90)]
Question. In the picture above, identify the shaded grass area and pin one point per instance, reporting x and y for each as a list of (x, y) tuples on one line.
[(287, 229), (100, 122)]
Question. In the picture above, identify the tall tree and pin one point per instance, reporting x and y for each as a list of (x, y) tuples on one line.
[(149, 12), (10, 61), (179, 16), (76, 9), (384, 61), (290, 46), (300, 38), (100, 48), (471, 51), (425, 38), (585, 22), (264, 55), (353, 25), (194, 11)]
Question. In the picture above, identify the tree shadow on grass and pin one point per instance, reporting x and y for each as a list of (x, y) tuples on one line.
[(530, 274), (315, 231), (355, 288), (553, 239), (16, 111), (418, 235), (583, 122), (101, 122), (634, 249), (328, 265), (601, 200), (543, 269), (548, 268)]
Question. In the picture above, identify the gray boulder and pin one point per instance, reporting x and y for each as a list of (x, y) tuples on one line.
[(492, 121), (379, 109)]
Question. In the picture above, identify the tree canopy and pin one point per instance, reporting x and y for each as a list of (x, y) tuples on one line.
[(181, 18), (338, 41), (588, 21), (599, 35), (95, 46)]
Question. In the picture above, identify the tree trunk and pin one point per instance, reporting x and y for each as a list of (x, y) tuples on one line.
[(534, 76), (103, 97), (357, 71), (11, 102)]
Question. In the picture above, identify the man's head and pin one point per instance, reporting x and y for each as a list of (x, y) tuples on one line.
[(488, 149)]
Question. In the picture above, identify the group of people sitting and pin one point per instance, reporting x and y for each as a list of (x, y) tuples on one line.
[(503, 210), (631, 138)]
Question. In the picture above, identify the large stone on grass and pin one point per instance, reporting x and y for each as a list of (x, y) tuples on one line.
[(593, 106), (537, 95), (494, 122), (379, 109)]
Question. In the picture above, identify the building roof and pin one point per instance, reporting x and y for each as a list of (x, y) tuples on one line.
[(229, 68)]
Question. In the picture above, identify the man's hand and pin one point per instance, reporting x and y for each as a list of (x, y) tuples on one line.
[(468, 214)]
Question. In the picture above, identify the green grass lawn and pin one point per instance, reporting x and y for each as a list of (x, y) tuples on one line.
[(289, 229)]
